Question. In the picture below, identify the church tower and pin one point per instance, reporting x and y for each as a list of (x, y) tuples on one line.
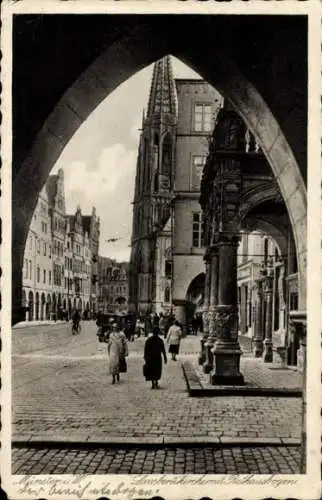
[(153, 187)]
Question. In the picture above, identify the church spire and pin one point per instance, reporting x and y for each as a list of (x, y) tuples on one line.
[(162, 93)]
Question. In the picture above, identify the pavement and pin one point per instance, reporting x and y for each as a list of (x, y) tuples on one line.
[(64, 405), (205, 460), (33, 323)]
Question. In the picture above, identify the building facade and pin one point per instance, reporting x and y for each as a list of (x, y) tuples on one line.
[(169, 258), (58, 262), (38, 266), (167, 236), (113, 280)]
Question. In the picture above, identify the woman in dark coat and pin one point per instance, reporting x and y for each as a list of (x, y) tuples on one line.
[(153, 351)]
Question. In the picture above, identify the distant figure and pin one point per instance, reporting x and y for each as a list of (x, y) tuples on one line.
[(194, 325), (76, 318), (174, 338), (156, 320), (117, 350), (139, 327), (161, 324), (153, 351)]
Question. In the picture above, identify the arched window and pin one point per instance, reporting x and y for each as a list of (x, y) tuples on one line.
[(156, 182), (167, 155)]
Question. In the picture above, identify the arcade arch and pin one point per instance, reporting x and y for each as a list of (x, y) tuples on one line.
[(112, 67)]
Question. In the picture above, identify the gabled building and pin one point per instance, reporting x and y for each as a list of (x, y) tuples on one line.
[(113, 286)]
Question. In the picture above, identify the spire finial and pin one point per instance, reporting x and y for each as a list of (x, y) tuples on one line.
[(162, 92)]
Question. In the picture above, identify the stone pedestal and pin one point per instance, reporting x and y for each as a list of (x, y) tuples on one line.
[(227, 350)]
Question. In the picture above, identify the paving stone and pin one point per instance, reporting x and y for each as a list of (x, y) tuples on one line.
[(61, 392)]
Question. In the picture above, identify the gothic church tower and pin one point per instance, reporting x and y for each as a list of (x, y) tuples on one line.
[(153, 186)]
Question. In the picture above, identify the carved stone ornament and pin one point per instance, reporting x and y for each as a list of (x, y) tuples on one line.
[(226, 320)]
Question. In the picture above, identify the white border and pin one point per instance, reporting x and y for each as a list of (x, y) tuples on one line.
[(188, 486)]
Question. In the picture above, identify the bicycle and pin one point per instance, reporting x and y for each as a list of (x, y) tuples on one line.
[(76, 328)]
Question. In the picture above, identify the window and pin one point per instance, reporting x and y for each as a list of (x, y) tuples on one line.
[(44, 275), (30, 243), (30, 270), (26, 268), (57, 275), (203, 118), (38, 247), (45, 248), (293, 301), (167, 295), (198, 162), (168, 268), (49, 277), (38, 274), (50, 251), (198, 229)]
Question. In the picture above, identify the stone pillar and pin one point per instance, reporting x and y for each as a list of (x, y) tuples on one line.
[(180, 313), (258, 332), (243, 313), (213, 296), (227, 350), (145, 293), (268, 294), (202, 355), (298, 320)]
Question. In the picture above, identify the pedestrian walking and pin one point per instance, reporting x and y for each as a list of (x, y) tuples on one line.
[(161, 324), (117, 351), (174, 338), (153, 351)]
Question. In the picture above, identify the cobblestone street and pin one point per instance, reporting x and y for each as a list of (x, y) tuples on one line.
[(205, 460), (62, 393)]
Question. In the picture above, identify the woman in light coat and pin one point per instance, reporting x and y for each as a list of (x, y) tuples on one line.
[(117, 349), (174, 338)]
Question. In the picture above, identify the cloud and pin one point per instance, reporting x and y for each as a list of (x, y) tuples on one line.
[(110, 188)]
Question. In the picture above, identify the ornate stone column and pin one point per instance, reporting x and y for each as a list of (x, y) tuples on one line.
[(202, 355), (258, 332), (268, 294), (214, 272), (227, 350)]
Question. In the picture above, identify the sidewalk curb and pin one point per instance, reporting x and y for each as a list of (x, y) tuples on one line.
[(164, 441), (19, 326), (197, 390)]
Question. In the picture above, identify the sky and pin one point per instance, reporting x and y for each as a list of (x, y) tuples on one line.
[(99, 161)]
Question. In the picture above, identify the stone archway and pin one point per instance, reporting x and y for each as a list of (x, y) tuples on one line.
[(42, 306), (48, 306), (116, 64), (30, 306), (37, 307), (54, 304), (195, 301)]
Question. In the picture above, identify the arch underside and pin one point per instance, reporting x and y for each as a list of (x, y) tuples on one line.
[(116, 64)]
